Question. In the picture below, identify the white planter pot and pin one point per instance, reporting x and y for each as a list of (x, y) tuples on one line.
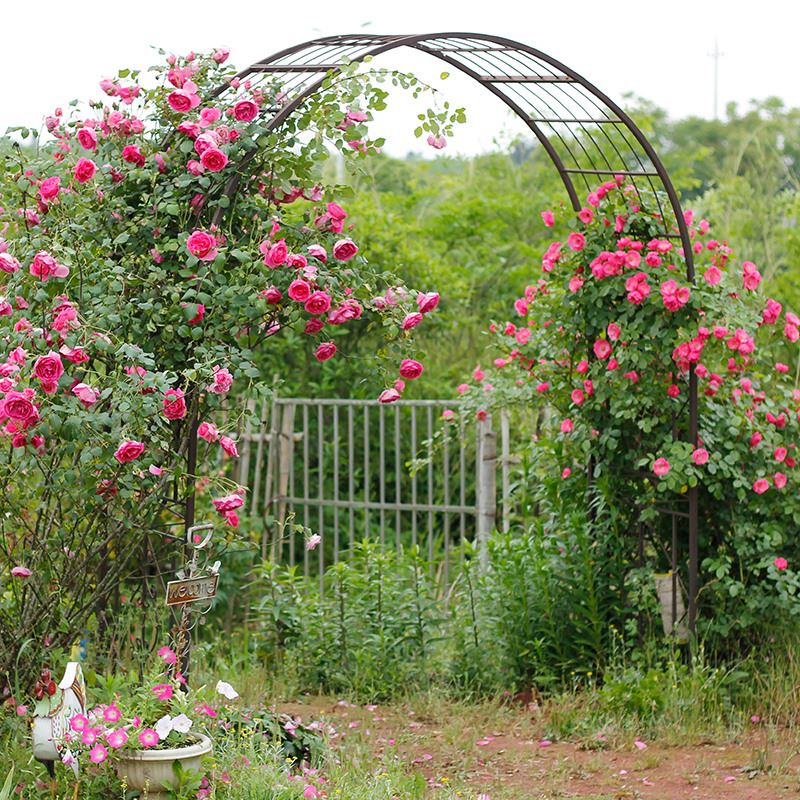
[(150, 770)]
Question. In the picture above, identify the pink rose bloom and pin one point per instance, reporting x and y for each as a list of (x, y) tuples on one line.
[(223, 380), (548, 218), (44, 266), (567, 426), (427, 302), (661, 467), (87, 138), (202, 245), (313, 541), (299, 290), (221, 55), (184, 99), (674, 296), (274, 254), (576, 241), (780, 563), (751, 277), (760, 486), (613, 331), (325, 351), (318, 252), (21, 572), (129, 451), (213, 159), (388, 396), (586, 215), (84, 170), (228, 503), (349, 309), (317, 303), (229, 446), (437, 142), (208, 431), (85, 394), (779, 479), (344, 250), (273, 295), (577, 396), (48, 369), (18, 407), (174, 405), (49, 188), (245, 111), (8, 263), (712, 275), (411, 369), (700, 456), (602, 349), (771, 312), (133, 155), (411, 321)]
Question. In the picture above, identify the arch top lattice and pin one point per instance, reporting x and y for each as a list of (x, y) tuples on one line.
[(588, 137)]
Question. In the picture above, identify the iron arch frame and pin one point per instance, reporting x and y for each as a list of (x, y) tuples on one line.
[(586, 135)]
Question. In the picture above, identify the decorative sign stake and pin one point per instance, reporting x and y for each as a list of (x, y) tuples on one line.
[(192, 585)]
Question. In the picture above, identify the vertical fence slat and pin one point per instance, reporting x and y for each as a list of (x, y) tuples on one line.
[(366, 471), (306, 484), (505, 449), (336, 484), (351, 470), (446, 521), (397, 478), (321, 494), (413, 476), (382, 470), (429, 454), (262, 424)]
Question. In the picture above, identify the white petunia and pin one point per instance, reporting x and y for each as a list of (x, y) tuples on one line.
[(181, 723), (164, 727), (226, 690)]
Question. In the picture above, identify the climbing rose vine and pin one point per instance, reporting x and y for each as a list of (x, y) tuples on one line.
[(606, 339), (135, 290)]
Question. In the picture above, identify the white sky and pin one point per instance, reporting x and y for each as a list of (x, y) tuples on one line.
[(53, 51)]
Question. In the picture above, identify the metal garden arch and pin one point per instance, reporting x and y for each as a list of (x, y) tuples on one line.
[(587, 136)]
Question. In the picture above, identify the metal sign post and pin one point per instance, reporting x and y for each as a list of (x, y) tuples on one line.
[(193, 585)]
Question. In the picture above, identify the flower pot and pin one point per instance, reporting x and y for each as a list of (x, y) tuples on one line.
[(151, 770)]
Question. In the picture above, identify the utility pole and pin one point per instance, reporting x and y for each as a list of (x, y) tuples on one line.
[(716, 55)]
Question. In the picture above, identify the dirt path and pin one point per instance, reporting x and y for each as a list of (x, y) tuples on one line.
[(500, 755)]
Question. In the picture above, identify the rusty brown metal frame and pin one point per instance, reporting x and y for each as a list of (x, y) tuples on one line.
[(569, 116)]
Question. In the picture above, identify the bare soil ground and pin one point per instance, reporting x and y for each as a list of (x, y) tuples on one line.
[(500, 753)]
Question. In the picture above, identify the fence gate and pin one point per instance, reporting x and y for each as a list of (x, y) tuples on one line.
[(350, 469)]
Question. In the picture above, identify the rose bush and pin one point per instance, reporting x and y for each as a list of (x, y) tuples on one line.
[(607, 339), (136, 289)]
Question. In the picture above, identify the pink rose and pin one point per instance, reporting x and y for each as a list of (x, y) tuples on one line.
[(318, 252), (185, 99), (21, 572), (18, 407), (388, 396), (133, 155), (85, 394), (208, 431), (411, 321), (317, 303), (325, 351), (44, 266), (213, 159), (760, 486), (84, 170), (548, 218), (273, 295), (299, 290), (661, 467), (221, 55), (49, 188), (274, 254), (700, 456), (245, 111), (576, 241), (780, 564), (223, 380), (602, 348), (228, 503), (8, 263), (344, 249), (229, 446), (128, 451), (174, 405), (202, 245), (427, 302), (349, 309), (411, 369), (87, 138), (48, 369)]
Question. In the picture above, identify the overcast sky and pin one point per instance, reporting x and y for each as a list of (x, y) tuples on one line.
[(53, 52)]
